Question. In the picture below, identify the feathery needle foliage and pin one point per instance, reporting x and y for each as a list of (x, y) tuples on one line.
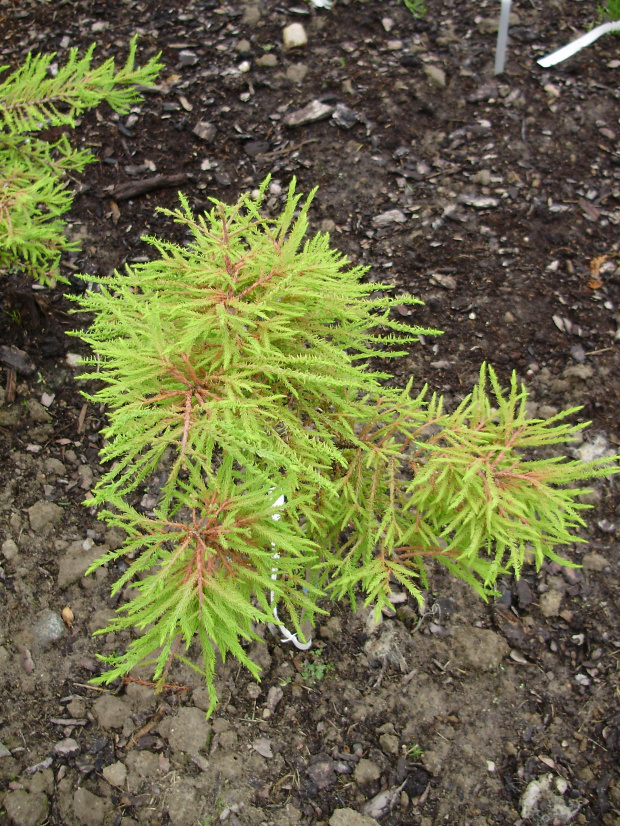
[(235, 370), (33, 186)]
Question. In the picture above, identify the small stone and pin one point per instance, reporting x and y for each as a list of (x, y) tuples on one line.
[(294, 36), (594, 562), (243, 46), (89, 809), (111, 712), (479, 201), (448, 282), (26, 809), (251, 14), (205, 131), (549, 603), (509, 318), (314, 111), (349, 817), (187, 57), (17, 359), (267, 61), (297, 72), (55, 467), (37, 412), (74, 564), (435, 75), (344, 117), (580, 372), (116, 774), (67, 747), (387, 23), (263, 746), (389, 743), (482, 177), (366, 772), (524, 593), (9, 549), (44, 513), (114, 538), (322, 773), (392, 216), (48, 629), (99, 26)]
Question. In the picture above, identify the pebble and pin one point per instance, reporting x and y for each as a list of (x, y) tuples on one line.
[(482, 177), (479, 201), (366, 771), (115, 774), (549, 603), (9, 549), (389, 743), (48, 629), (55, 467), (349, 817), (435, 75), (392, 216), (312, 112), (89, 809), (322, 773), (76, 561), (297, 72), (294, 36), (344, 117), (42, 514), (37, 412), (187, 58), (17, 359), (205, 130), (267, 61), (26, 809), (67, 747)]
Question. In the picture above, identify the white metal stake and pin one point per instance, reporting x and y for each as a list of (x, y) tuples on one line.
[(502, 37)]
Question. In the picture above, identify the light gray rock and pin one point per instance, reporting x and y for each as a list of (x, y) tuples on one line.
[(205, 130), (42, 514), (549, 603), (76, 561), (67, 747), (389, 743), (187, 57), (349, 817), (26, 809), (294, 36), (251, 14), (578, 372), (17, 359), (116, 774), (314, 111), (37, 412), (111, 712), (392, 216), (479, 648), (55, 467), (435, 75), (297, 72), (49, 628), (479, 201), (345, 117), (187, 732), (9, 549), (366, 771), (267, 61), (89, 809)]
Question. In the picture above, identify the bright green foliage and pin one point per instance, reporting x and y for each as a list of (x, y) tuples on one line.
[(416, 7), (236, 369), (33, 171), (608, 11)]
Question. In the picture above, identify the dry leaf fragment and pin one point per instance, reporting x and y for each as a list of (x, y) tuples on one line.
[(67, 616), (596, 263)]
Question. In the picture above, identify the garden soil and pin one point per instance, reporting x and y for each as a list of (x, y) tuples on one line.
[(496, 200)]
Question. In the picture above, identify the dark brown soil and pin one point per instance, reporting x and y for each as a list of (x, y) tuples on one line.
[(509, 197)]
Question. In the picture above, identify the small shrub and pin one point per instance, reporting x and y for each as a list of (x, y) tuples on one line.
[(236, 368), (33, 170)]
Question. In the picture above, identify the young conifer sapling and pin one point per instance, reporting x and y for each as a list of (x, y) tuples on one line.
[(236, 369)]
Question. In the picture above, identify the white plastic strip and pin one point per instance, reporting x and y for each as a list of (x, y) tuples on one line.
[(502, 37), (577, 45), (286, 634)]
